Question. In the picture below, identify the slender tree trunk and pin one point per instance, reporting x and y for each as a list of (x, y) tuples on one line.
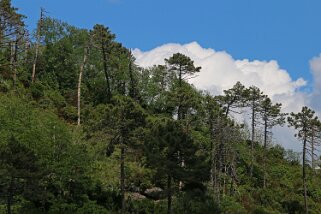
[(132, 88), (37, 45), (221, 148), (212, 156), (169, 194), (79, 83), (252, 140), (13, 63), (213, 171), (107, 77), (180, 117), (26, 48), (312, 150), (304, 175), (179, 108), (227, 110), (122, 178), (264, 153)]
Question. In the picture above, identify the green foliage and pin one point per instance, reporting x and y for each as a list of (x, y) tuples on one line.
[(142, 130), (196, 202)]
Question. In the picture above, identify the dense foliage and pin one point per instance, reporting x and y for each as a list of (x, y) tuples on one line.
[(83, 129)]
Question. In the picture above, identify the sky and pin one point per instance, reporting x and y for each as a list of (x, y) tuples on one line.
[(273, 44), (284, 30)]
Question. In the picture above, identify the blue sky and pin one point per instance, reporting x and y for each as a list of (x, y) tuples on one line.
[(284, 30)]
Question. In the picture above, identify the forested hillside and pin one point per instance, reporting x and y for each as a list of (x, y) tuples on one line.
[(83, 129)]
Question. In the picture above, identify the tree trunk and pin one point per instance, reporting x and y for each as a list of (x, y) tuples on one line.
[(252, 140), (304, 175), (132, 88), (169, 194), (180, 117), (79, 83), (312, 150), (122, 178), (221, 148), (264, 153), (106, 71), (212, 156), (37, 46), (13, 62)]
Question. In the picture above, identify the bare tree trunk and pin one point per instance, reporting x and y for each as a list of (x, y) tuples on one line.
[(169, 194), (252, 141), (132, 88), (180, 117), (12, 62), (304, 176), (264, 153), (15, 61), (212, 156), (79, 83), (312, 150), (37, 45), (122, 178), (107, 77)]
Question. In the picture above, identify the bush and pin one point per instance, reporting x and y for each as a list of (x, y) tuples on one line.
[(37, 90)]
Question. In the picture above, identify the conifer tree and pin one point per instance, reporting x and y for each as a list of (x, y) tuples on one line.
[(183, 68), (233, 98), (254, 98), (102, 39), (166, 140), (271, 116), (303, 122), (127, 117)]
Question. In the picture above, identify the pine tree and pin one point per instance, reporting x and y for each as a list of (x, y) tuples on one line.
[(127, 117), (183, 68), (166, 140), (233, 99), (254, 98), (271, 116), (102, 40), (303, 122)]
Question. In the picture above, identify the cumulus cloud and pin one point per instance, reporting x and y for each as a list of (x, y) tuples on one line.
[(315, 67), (220, 71)]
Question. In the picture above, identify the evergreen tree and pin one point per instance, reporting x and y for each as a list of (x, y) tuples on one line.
[(233, 98), (20, 172), (254, 98), (303, 123), (271, 116), (102, 40), (183, 68), (165, 143)]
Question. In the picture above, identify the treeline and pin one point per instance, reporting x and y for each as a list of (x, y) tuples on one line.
[(83, 129)]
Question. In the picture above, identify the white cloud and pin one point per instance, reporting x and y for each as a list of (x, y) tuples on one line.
[(221, 71), (315, 67)]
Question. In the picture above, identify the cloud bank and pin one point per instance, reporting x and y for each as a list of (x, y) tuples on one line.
[(220, 71)]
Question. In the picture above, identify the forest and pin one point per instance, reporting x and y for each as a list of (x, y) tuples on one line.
[(84, 129)]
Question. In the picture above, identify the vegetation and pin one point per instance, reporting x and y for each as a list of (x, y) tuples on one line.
[(83, 129)]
